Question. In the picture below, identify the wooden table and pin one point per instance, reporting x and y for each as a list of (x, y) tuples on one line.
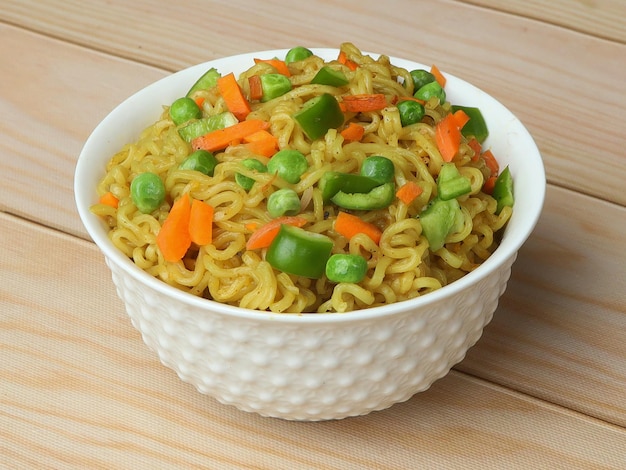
[(545, 387)]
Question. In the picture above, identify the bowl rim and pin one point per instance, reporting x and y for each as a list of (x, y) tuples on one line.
[(510, 244)]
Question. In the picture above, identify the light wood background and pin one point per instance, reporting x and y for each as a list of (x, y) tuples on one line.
[(545, 387)]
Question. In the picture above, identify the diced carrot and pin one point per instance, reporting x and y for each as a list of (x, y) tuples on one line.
[(461, 118), (349, 225), (353, 133), (264, 235), (343, 59), (262, 143), (222, 138), (408, 192), (491, 162), (201, 222), (448, 137), (173, 239), (109, 199), (280, 65), (235, 101), (476, 147), (256, 88), (489, 184), (199, 101), (438, 75), (364, 103)]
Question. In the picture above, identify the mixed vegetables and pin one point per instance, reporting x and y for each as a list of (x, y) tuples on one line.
[(285, 241)]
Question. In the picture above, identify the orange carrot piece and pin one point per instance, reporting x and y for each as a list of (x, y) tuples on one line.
[(491, 162), (173, 239), (342, 58), (262, 143), (408, 192), (476, 147), (448, 137), (489, 184), (353, 133), (280, 65), (461, 118), (264, 235), (364, 102), (349, 225), (222, 138), (201, 222), (109, 199), (256, 88), (438, 75), (235, 101), (199, 101)]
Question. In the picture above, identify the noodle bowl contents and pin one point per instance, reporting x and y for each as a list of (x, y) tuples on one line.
[(309, 185)]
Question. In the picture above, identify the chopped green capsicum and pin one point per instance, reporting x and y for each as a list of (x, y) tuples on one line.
[(298, 252), (207, 81), (476, 126), (274, 85), (378, 198), (318, 115), (205, 125), (330, 76), (439, 219), (333, 182), (503, 190), (451, 183)]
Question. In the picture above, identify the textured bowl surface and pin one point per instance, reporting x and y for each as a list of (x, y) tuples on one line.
[(311, 367)]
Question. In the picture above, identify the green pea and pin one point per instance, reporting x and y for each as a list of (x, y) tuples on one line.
[(147, 192), (429, 90), (421, 77), (297, 54), (200, 160), (411, 112), (378, 168), (289, 164), (285, 201), (183, 110), (346, 268), (252, 164)]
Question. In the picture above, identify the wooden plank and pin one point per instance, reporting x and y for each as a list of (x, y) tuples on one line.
[(59, 95), (559, 332), (601, 18), (578, 149), (80, 390)]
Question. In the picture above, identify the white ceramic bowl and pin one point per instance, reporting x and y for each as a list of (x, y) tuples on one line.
[(311, 367)]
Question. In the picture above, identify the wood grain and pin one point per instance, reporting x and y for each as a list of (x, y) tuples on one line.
[(601, 18), (558, 333), (80, 390), (574, 75)]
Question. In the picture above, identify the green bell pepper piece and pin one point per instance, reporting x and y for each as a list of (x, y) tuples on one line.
[(333, 182), (205, 125), (378, 198), (274, 85), (329, 76), (207, 81), (503, 190), (476, 126), (298, 252), (451, 183), (439, 219), (318, 115)]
